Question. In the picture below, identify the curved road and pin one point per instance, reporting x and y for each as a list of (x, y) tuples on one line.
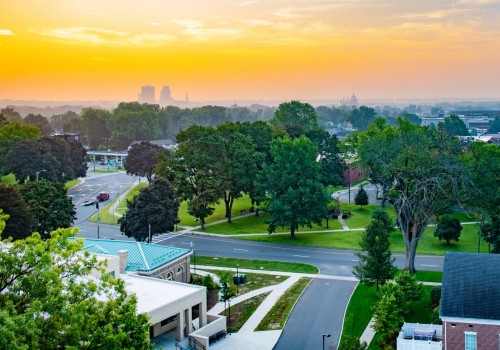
[(318, 311)]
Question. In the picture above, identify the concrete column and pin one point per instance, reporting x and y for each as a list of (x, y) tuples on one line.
[(189, 319), (203, 313), (180, 326), (123, 254)]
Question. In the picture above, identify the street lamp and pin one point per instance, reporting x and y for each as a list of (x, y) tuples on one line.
[(38, 172), (229, 323), (325, 336), (98, 217), (149, 233), (237, 278)]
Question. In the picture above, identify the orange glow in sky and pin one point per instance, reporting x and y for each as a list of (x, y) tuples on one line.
[(249, 49)]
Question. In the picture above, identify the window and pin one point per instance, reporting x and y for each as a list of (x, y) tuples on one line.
[(169, 276), (470, 341), (179, 271)]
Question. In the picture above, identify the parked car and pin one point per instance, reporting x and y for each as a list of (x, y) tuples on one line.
[(89, 202), (103, 196)]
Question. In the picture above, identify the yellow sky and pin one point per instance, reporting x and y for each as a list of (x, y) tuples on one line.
[(249, 49)]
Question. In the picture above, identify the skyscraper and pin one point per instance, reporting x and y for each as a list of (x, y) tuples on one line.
[(166, 96), (147, 94)]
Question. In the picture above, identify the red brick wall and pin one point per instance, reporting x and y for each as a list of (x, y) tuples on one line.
[(487, 335), (354, 173)]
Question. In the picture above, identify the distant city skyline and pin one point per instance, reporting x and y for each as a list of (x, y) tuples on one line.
[(250, 49)]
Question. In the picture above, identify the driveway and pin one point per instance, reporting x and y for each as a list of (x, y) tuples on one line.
[(320, 310)]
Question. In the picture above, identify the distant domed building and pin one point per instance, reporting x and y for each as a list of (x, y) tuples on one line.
[(350, 102)]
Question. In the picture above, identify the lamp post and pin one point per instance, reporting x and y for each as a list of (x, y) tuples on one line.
[(237, 278), (38, 172), (325, 336), (98, 217), (149, 233), (229, 323)]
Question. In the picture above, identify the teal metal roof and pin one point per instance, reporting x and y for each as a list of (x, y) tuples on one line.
[(141, 256)]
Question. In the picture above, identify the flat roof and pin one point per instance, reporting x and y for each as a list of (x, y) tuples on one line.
[(152, 293)]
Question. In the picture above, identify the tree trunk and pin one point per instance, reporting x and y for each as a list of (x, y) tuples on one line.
[(292, 232), (202, 222), (226, 202)]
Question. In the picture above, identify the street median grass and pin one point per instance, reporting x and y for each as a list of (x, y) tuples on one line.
[(254, 280), (278, 315), (122, 206), (266, 265), (241, 312)]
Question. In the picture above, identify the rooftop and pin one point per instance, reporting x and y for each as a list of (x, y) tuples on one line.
[(471, 287), (142, 257)]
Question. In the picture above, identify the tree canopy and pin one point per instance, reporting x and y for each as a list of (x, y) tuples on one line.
[(295, 118), (155, 205), (47, 301), (361, 197), (10, 134), (448, 228), (142, 159), (40, 122), (21, 222), (454, 126), (295, 195), (49, 205), (421, 168)]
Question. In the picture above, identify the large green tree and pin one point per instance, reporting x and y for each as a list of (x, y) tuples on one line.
[(21, 222), (239, 163), (12, 115), (155, 205), (361, 117), (95, 124), (10, 134), (295, 195), (422, 171), (448, 228), (39, 121), (375, 262), (50, 206), (295, 118), (142, 159), (195, 169), (454, 126), (47, 301)]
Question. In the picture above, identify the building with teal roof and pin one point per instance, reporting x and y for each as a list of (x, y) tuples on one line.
[(144, 259)]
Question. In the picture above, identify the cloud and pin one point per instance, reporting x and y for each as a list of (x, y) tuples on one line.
[(6, 32), (248, 3), (258, 22), (200, 32), (438, 14), (188, 23), (104, 37)]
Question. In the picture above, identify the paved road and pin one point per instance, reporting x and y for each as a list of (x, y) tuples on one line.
[(320, 310)]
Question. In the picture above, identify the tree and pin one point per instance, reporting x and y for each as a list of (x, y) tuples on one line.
[(353, 343), (239, 164), (361, 197), (454, 126), (155, 205), (12, 115), (494, 126), (296, 197), (47, 301), (332, 165), (95, 122), (39, 121), (388, 315), (448, 229), (381, 215), (50, 206), (362, 117), (489, 230), (375, 262), (10, 134), (422, 171), (411, 117), (21, 222), (295, 118), (59, 121), (195, 170), (412, 289), (142, 159)]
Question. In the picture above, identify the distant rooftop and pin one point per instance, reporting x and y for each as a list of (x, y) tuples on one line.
[(142, 257), (471, 287)]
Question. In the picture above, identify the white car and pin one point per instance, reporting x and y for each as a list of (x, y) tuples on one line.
[(89, 202)]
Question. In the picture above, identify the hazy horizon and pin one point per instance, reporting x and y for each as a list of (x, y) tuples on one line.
[(250, 50)]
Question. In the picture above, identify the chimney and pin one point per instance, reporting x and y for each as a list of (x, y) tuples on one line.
[(123, 254)]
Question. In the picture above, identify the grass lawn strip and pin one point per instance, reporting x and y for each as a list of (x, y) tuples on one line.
[(254, 280), (122, 206), (241, 312), (277, 316), (267, 265)]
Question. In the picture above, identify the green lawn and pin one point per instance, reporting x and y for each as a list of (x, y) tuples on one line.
[(429, 276), (254, 280), (278, 315), (8, 179), (254, 224), (71, 183), (361, 217), (255, 264), (122, 206), (242, 203), (428, 244), (358, 312)]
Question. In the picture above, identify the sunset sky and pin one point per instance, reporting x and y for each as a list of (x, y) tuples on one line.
[(239, 49)]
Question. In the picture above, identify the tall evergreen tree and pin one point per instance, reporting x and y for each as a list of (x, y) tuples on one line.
[(361, 197), (375, 262)]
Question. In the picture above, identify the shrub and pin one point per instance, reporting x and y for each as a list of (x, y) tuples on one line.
[(435, 295)]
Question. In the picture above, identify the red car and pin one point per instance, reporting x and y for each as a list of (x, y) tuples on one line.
[(103, 196)]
